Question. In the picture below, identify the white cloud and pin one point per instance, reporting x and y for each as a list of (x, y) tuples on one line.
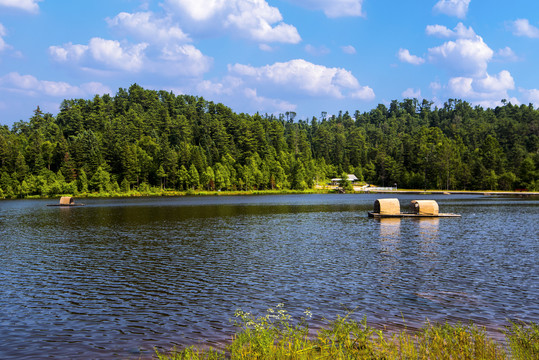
[(349, 49), (457, 8), (3, 44), (26, 5), (468, 57), (68, 52), (460, 31), (531, 95), (302, 77), (95, 88), (31, 86), (145, 26), (233, 91), (435, 86), (184, 60), (522, 27), (411, 94), (334, 8), (253, 19), (172, 60), (265, 47), (507, 54), (439, 30), (405, 56), (486, 91), (497, 83), (364, 93), (264, 104), (211, 89), (112, 54), (317, 51)]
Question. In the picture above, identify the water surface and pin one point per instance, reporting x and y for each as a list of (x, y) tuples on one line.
[(117, 277)]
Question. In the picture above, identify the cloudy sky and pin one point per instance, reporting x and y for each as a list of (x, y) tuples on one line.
[(269, 56)]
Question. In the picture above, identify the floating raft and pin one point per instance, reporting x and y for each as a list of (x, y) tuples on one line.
[(66, 201), (390, 208)]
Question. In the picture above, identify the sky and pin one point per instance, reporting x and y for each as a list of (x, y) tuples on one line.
[(269, 56)]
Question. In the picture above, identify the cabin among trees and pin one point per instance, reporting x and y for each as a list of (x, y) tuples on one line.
[(142, 139)]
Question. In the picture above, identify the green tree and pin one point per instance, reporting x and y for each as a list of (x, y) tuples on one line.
[(162, 175), (193, 177), (82, 181), (100, 181)]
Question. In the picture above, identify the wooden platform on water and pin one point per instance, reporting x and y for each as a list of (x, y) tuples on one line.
[(409, 215), (66, 201), (65, 205)]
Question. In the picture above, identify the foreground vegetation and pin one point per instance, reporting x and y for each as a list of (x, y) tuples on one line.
[(141, 139), (277, 336)]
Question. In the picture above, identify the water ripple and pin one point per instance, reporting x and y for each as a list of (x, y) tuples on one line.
[(117, 277)]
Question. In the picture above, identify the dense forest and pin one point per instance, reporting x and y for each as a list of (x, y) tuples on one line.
[(143, 139)]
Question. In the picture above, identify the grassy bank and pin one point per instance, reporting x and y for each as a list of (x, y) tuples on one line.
[(156, 192), (173, 193), (277, 336)]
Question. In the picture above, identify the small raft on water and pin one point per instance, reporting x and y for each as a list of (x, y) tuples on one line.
[(66, 201), (390, 208)]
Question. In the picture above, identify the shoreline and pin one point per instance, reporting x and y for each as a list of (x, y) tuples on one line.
[(278, 336), (316, 190)]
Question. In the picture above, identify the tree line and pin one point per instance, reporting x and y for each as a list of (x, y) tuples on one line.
[(145, 139)]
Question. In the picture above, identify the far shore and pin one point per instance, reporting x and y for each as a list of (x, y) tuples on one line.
[(328, 189)]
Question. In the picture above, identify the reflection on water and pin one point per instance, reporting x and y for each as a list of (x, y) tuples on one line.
[(389, 249), (117, 277), (428, 234)]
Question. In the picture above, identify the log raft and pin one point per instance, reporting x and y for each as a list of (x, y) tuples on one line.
[(390, 208)]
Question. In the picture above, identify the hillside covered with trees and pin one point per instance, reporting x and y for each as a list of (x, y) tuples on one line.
[(144, 138)]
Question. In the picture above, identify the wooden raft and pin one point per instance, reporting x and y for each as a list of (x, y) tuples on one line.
[(390, 208), (66, 201)]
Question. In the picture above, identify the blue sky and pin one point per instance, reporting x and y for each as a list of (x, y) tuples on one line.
[(269, 56)]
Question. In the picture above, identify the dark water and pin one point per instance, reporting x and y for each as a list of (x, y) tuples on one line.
[(117, 277)]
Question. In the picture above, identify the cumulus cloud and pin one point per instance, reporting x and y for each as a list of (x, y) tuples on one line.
[(265, 47), (522, 27), (302, 77), (405, 56), (265, 104), (145, 26), (68, 52), (468, 57), (531, 95), (317, 51), (506, 54), (435, 86), (184, 60), (411, 94), (334, 8), (233, 90), (253, 19), (114, 55), (25, 5), (457, 8), (460, 31), (31, 86), (3, 44), (349, 49), (486, 91), (172, 60), (364, 93), (110, 53)]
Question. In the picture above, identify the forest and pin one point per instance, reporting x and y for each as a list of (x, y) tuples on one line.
[(143, 139)]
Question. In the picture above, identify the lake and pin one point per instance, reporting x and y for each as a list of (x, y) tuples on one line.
[(118, 277)]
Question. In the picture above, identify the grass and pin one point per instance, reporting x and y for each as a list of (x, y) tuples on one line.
[(277, 336)]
